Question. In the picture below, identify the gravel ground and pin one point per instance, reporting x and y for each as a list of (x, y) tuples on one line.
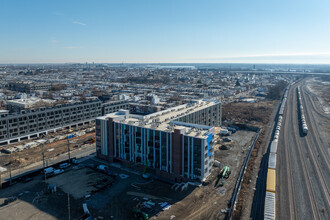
[(50, 206)]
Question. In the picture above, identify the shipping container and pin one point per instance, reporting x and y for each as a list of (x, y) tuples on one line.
[(272, 161), (271, 180), (269, 206), (273, 146)]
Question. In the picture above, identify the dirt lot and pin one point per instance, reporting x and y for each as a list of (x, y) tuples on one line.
[(29, 156), (244, 204), (322, 91), (251, 113)]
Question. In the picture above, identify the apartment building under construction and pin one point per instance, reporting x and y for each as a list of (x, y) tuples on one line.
[(175, 144)]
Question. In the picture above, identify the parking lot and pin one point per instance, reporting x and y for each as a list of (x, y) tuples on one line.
[(111, 196)]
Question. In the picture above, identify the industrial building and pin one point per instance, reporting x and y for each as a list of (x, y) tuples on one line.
[(175, 144), (33, 122), (29, 86)]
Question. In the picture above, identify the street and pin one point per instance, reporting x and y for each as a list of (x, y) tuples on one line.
[(79, 153)]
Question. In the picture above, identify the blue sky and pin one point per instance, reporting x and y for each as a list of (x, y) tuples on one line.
[(152, 31)]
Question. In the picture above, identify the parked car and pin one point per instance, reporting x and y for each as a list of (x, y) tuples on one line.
[(27, 179), (10, 200), (64, 165), (224, 132), (226, 139), (102, 167), (58, 171), (49, 170), (75, 161), (233, 130)]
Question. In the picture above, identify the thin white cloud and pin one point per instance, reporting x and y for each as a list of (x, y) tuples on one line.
[(73, 47), (80, 23)]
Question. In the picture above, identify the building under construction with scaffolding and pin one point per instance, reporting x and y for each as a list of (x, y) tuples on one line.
[(175, 144)]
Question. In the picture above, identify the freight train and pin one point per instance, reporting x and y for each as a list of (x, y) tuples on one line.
[(301, 113), (269, 213), (270, 197)]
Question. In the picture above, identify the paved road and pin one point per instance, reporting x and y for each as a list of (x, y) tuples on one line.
[(303, 175), (79, 153)]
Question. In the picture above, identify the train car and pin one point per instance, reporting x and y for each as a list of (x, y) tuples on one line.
[(272, 161), (281, 112), (282, 106), (269, 206), (273, 146), (271, 180), (301, 114), (269, 213), (270, 195), (305, 129)]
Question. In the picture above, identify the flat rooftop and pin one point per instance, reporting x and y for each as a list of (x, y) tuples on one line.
[(165, 120), (29, 101)]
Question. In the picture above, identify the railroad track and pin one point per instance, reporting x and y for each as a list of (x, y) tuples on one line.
[(313, 130), (319, 173), (311, 196), (312, 154), (293, 214)]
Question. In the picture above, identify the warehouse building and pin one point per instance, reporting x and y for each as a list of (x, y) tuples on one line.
[(28, 87), (175, 144)]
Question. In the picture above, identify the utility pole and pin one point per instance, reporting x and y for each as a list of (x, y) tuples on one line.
[(43, 166), (69, 206), (67, 138), (10, 173), (10, 169), (43, 157), (68, 148), (43, 162)]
